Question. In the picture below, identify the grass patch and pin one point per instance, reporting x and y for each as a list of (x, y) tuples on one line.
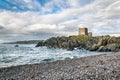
[(79, 37)]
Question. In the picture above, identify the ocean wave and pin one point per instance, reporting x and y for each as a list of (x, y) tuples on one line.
[(29, 54)]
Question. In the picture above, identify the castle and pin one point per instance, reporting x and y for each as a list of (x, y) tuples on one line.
[(84, 31)]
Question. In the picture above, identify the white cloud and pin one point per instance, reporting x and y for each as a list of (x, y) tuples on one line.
[(99, 16), (45, 27), (113, 10)]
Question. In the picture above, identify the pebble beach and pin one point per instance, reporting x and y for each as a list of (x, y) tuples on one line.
[(97, 67)]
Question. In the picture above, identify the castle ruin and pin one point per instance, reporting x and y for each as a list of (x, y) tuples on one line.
[(84, 31)]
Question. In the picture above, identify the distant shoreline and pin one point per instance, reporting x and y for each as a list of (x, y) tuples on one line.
[(95, 67), (24, 42)]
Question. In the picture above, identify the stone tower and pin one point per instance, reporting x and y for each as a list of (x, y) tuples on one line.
[(90, 34), (83, 31)]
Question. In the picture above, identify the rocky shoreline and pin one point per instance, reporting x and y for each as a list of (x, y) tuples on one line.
[(100, 43), (98, 67)]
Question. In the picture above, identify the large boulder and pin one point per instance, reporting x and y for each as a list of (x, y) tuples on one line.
[(102, 42), (41, 43), (113, 47), (103, 49), (94, 47)]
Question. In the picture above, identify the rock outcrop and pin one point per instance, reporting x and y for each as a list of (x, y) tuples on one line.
[(107, 44), (101, 43)]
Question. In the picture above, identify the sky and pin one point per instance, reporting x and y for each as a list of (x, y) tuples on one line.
[(41, 19)]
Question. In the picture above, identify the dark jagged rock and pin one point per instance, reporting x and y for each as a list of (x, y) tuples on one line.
[(100, 43), (16, 45), (94, 47), (41, 43)]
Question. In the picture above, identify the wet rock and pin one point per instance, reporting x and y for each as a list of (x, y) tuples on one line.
[(101, 48), (48, 60), (94, 47), (41, 43), (16, 45)]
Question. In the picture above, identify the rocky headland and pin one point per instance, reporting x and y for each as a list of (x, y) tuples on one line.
[(100, 43), (97, 67)]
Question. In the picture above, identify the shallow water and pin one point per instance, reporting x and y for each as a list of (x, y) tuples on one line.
[(29, 54)]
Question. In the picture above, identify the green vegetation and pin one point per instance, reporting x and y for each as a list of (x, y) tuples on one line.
[(78, 38)]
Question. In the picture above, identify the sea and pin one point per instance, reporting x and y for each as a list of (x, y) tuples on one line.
[(29, 54)]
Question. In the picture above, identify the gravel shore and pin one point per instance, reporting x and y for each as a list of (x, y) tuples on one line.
[(98, 67)]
